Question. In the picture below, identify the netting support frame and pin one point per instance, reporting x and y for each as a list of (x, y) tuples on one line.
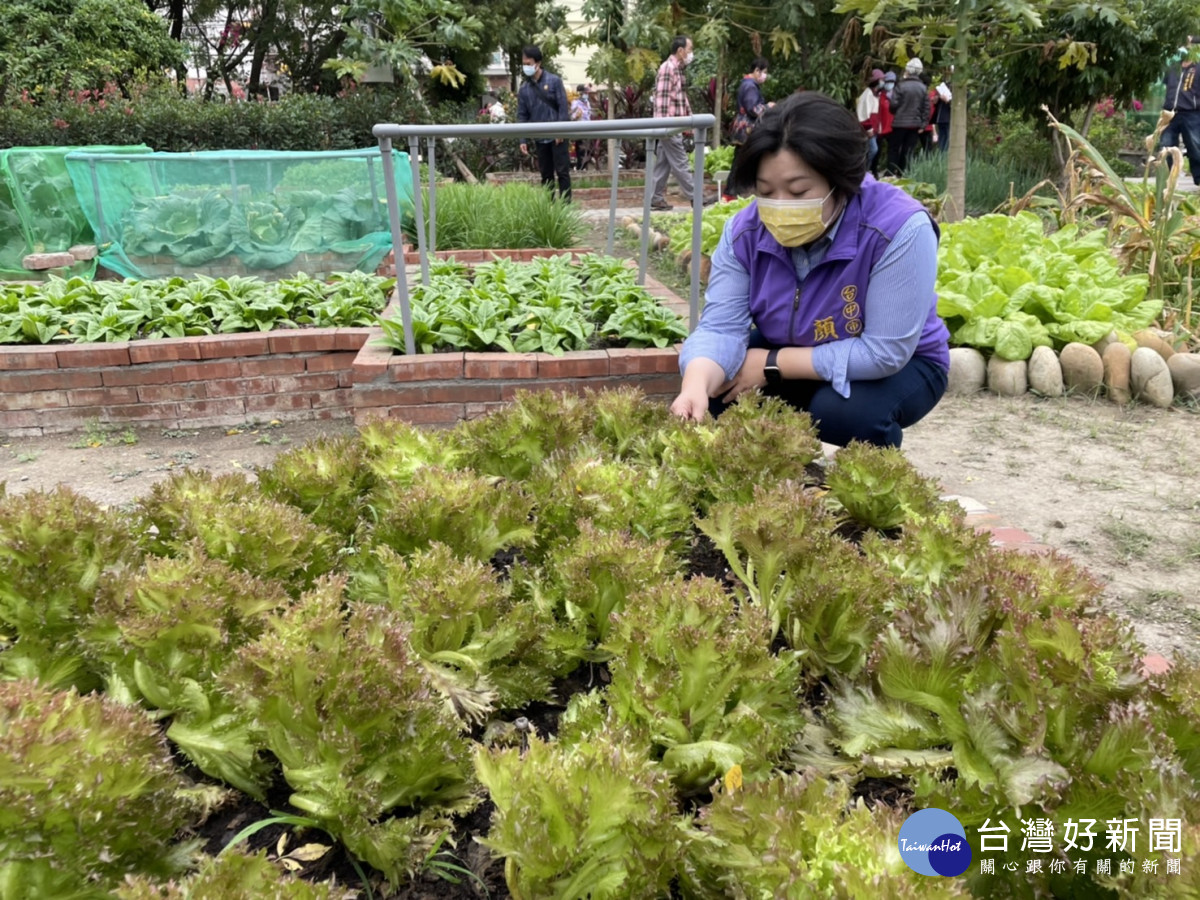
[(652, 130)]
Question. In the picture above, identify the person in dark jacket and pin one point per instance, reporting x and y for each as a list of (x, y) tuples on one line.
[(1183, 100), (910, 116), (543, 98), (749, 95), (822, 289)]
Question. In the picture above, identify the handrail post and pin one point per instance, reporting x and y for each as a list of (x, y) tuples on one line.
[(400, 293), (697, 214)]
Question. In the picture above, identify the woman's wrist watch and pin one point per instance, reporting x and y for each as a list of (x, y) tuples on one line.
[(771, 368)]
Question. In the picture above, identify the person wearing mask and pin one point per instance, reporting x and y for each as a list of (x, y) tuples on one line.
[(543, 98), (751, 104), (1182, 100), (581, 111), (910, 111), (671, 99), (867, 108), (822, 289)]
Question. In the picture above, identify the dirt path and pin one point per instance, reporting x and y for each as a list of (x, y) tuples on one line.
[(1115, 488)]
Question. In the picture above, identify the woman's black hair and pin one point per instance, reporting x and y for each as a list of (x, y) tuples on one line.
[(759, 64), (816, 128)]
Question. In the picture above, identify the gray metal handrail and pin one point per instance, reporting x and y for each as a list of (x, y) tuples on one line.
[(653, 130)]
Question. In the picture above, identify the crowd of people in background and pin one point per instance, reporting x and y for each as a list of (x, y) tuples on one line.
[(901, 114)]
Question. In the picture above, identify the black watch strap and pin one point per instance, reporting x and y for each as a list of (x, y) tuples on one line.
[(771, 368)]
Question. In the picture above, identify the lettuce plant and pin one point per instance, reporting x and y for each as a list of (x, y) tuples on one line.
[(356, 725), (616, 496), (512, 441), (164, 634), (629, 424), (326, 479), (758, 440), (594, 575), (474, 515), (88, 793), (879, 488), (232, 874), (800, 836), (395, 450), (480, 642), (237, 525), (593, 819), (698, 674), (771, 540), (56, 550), (929, 553)]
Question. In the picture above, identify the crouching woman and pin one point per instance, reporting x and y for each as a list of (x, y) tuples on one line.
[(822, 290)]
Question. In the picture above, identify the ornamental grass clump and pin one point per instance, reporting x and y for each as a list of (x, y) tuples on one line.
[(56, 550), (592, 819), (474, 515), (482, 644), (758, 440), (326, 479), (88, 793), (879, 488), (163, 634), (236, 524), (511, 215), (357, 726), (696, 672), (798, 835)]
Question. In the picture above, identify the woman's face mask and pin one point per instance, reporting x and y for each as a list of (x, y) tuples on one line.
[(794, 222)]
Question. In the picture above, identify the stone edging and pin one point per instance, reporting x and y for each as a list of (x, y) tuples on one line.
[(1154, 373)]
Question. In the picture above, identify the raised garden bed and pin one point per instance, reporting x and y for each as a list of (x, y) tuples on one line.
[(298, 374)]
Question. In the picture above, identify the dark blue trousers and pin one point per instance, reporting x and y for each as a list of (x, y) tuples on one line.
[(876, 412)]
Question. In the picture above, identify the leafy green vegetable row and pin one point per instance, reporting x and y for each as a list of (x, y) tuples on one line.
[(1006, 286), (550, 305), (712, 223), (82, 310), (347, 621)]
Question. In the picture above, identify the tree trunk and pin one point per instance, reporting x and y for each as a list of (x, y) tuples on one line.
[(719, 98), (264, 33), (956, 157)]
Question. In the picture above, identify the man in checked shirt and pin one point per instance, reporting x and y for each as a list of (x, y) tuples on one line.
[(671, 99)]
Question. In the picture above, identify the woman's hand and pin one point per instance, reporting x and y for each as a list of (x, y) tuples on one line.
[(749, 377), (691, 405)]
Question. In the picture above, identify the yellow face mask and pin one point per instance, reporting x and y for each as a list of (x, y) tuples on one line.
[(793, 222)]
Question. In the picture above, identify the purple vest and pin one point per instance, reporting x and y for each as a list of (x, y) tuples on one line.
[(828, 306)]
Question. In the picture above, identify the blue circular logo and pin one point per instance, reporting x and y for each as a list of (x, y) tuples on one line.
[(933, 842)]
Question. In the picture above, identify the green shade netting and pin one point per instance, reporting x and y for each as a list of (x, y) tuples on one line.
[(39, 212), (263, 207)]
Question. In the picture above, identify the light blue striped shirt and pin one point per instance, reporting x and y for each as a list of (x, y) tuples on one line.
[(894, 311)]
